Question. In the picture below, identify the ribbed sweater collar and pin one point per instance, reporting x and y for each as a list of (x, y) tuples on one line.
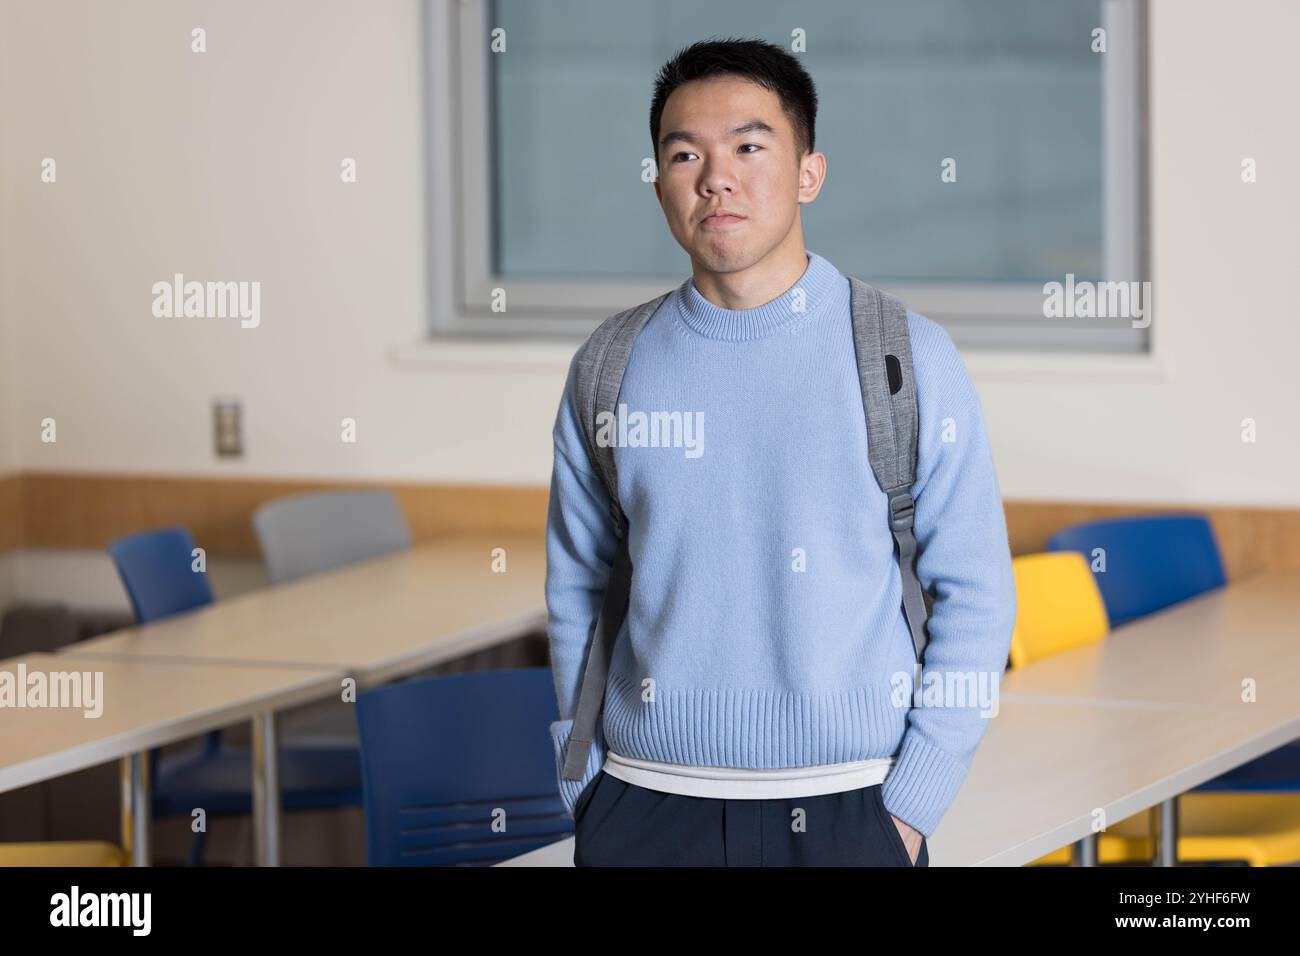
[(739, 325)]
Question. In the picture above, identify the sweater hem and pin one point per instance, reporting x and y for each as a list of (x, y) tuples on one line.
[(751, 728)]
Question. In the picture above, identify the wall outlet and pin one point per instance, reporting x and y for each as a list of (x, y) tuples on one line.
[(227, 420)]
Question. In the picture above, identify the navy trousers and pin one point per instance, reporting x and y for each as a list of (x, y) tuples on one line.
[(621, 824)]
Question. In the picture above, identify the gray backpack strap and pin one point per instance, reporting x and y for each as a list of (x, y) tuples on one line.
[(884, 353), (598, 380)]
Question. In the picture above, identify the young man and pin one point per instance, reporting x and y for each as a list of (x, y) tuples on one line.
[(752, 713)]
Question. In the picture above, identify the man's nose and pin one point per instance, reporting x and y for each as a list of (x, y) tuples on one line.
[(718, 176)]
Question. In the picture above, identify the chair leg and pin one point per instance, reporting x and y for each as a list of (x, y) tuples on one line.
[(1164, 826), (1086, 851), (137, 808)]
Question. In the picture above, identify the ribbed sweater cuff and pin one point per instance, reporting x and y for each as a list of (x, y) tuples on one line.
[(922, 783), (570, 790)]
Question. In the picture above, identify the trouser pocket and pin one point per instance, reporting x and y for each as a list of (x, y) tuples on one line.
[(584, 798), (892, 833)]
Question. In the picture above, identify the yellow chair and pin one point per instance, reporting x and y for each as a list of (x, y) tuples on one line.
[(1060, 607), (66, 853)]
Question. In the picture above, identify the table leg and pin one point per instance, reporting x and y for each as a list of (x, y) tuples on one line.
[(136, 808), (1085, 851), (266, 789), (1164, 833)]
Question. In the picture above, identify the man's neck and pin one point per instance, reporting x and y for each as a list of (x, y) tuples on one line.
[(757, 285)]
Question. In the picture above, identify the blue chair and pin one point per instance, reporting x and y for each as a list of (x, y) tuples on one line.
[(156, 568), (1153, 562), (443, 757)]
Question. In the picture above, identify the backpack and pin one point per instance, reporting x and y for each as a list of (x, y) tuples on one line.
[(884, 356)]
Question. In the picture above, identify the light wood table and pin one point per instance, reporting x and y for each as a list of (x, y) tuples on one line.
[(1234, 652), (1198, 652), (1046, 770), (147, 704), (379, 619)]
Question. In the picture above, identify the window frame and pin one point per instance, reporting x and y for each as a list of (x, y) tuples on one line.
[(994, 316)]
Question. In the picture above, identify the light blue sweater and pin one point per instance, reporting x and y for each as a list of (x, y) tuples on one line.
[(765, 625)]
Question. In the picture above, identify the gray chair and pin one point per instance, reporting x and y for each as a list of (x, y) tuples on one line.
[(307, 534)]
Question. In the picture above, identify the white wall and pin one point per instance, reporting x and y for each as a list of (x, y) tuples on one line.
[(225, 165)]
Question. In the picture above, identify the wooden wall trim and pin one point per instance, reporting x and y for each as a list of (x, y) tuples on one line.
[(86, 510), (1250, 539), (64, 510), (11, 512)]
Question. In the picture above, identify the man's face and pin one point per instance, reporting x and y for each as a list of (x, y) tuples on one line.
[(726, 144)]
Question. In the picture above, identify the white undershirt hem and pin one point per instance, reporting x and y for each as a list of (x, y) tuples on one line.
[(734, 783)]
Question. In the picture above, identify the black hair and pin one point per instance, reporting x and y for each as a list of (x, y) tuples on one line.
[(757, 60)]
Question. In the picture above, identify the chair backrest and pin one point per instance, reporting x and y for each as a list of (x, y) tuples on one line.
[(444, 758), (1151, 561), (307, 534), (1058, 606), (157, 570)]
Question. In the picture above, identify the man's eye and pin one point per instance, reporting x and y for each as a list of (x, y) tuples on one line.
[(747, 145), (677, 157)]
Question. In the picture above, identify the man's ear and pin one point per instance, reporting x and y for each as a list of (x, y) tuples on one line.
[(812, 176), (658, 192)]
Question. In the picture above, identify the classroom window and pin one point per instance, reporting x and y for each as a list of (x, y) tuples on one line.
[(975, 153)]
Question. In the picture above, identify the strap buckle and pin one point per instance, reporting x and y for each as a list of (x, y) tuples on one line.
[(901, 510)]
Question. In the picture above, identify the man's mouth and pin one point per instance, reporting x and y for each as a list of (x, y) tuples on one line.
[(721, 220)]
